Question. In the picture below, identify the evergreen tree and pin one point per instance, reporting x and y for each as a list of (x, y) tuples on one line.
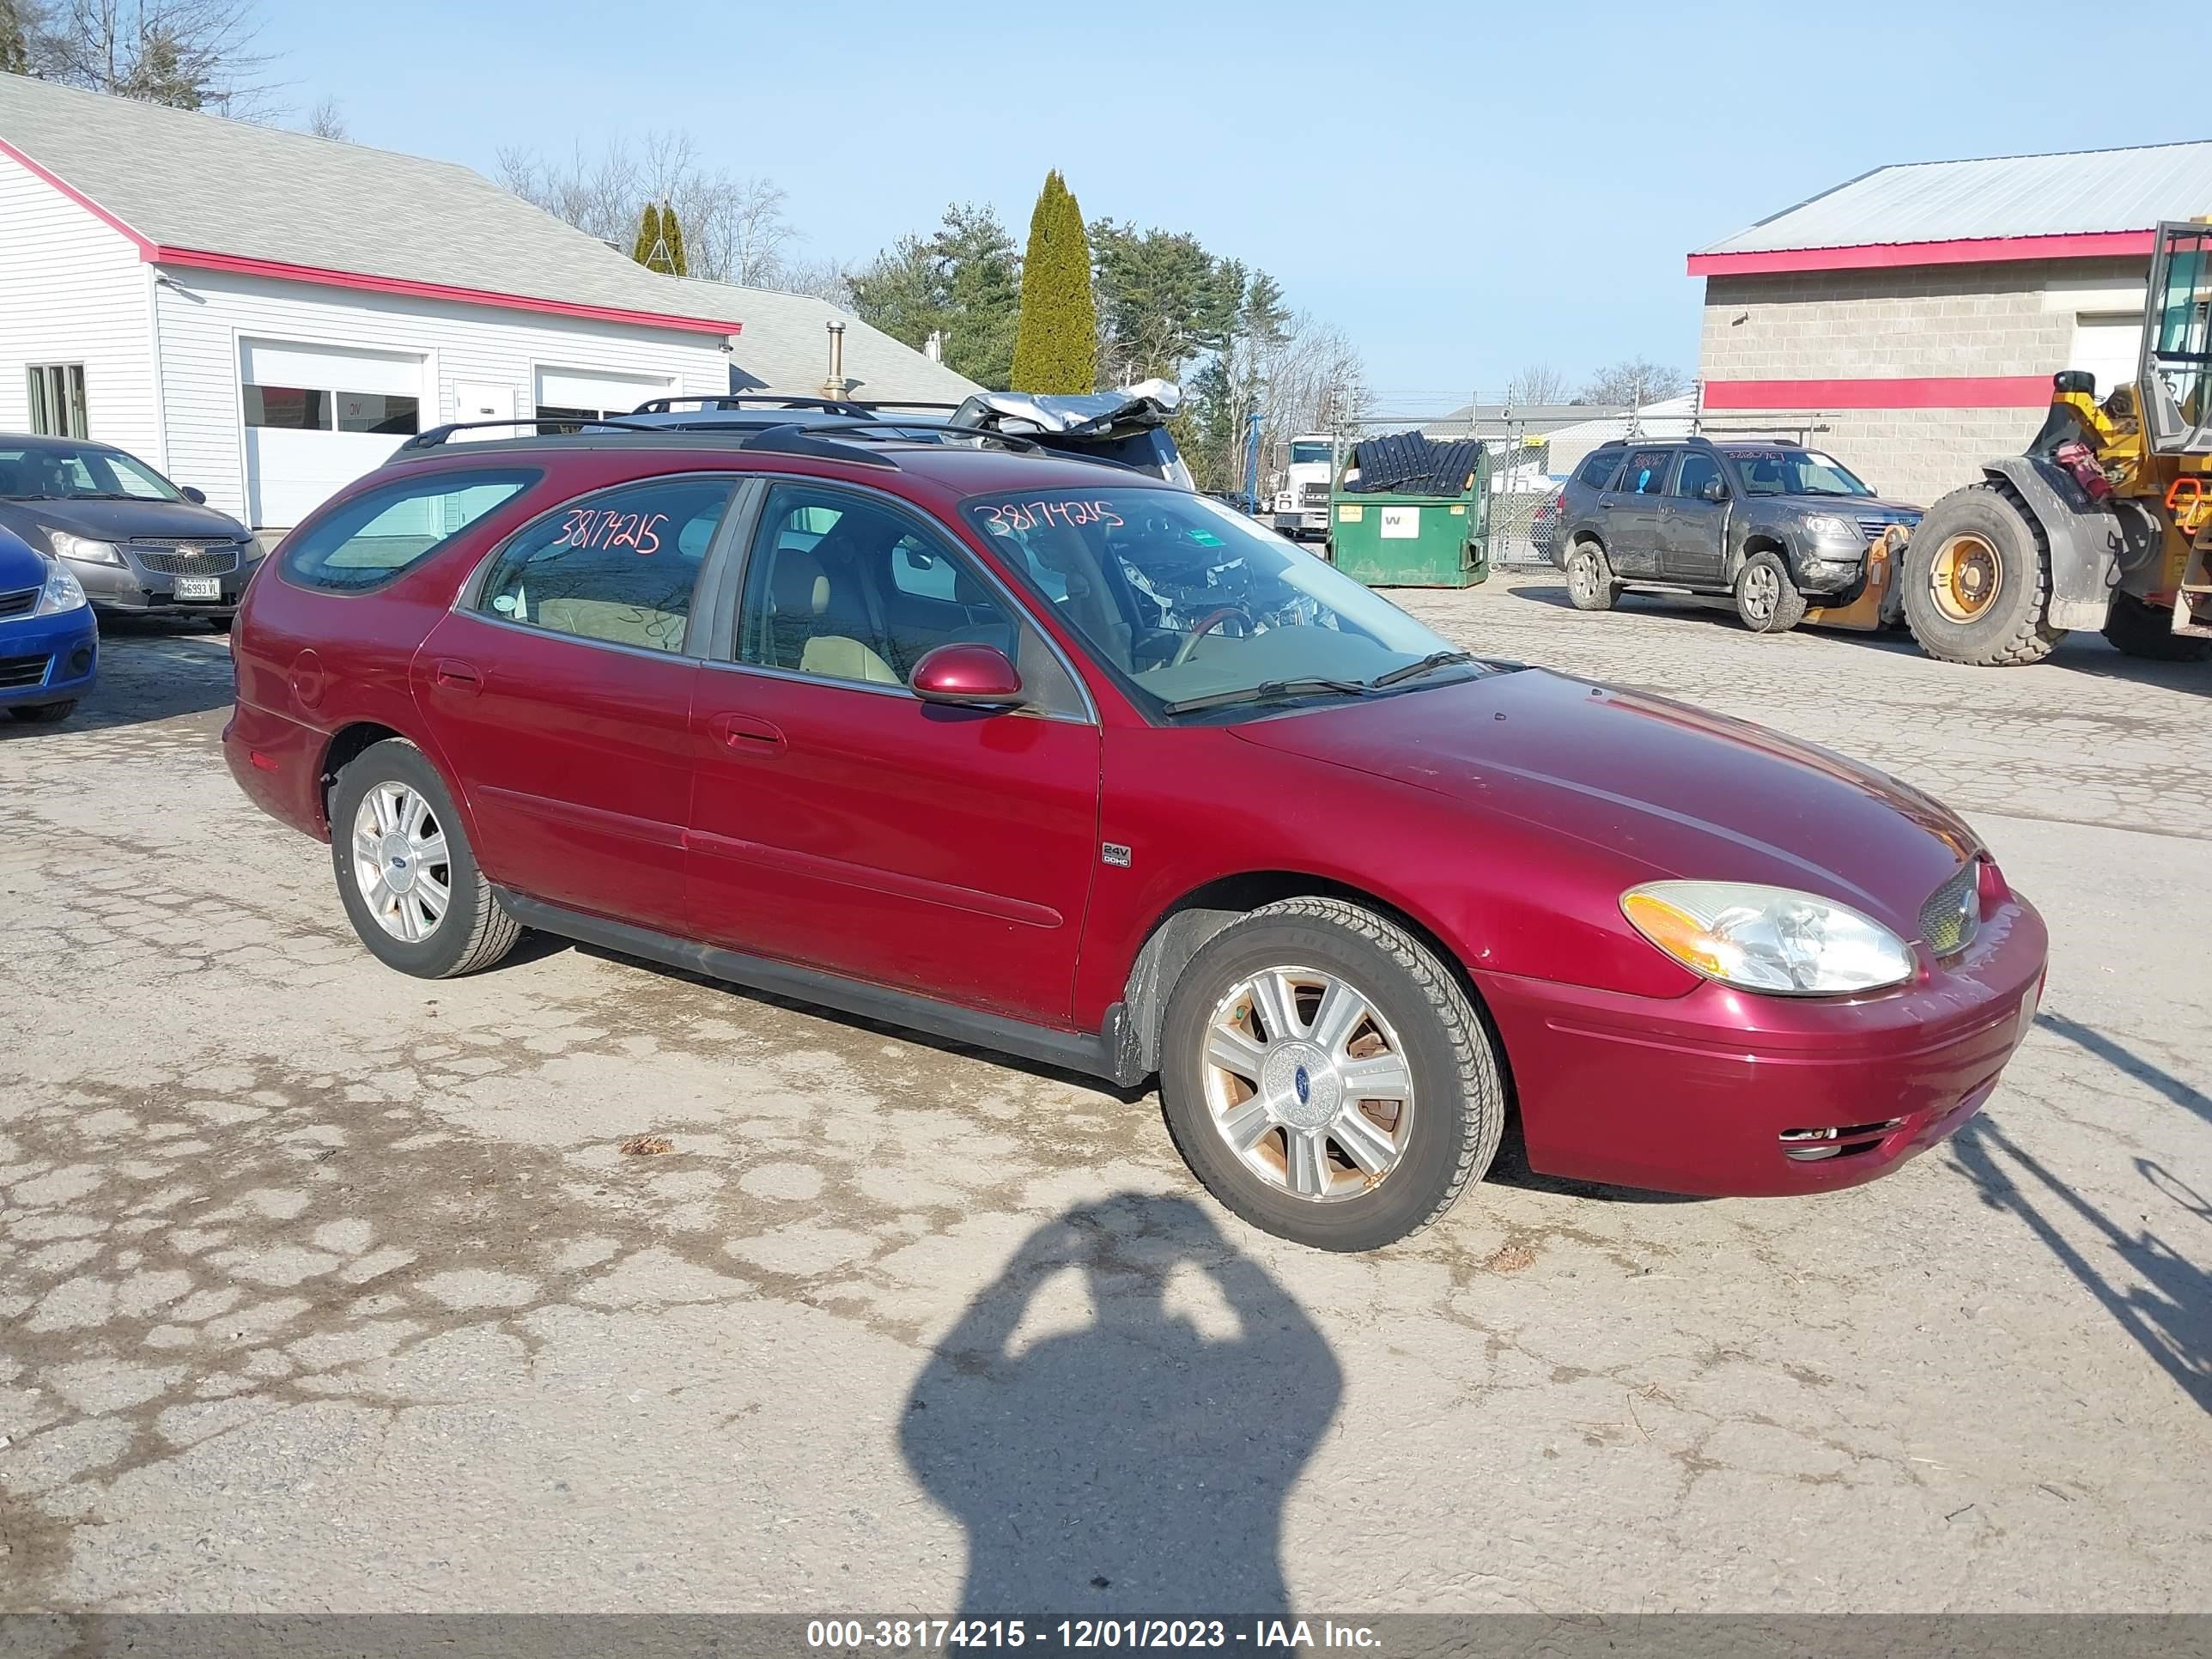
[(964, 281), (671, 237), (15, 43), (649, 235), (1056, 342)]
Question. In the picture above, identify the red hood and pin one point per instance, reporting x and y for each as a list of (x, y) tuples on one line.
[(1672, 790)]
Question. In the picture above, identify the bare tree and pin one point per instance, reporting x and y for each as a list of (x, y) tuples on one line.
[(189, 54), (1537, 384), (1633, 382), (327, 120), (1314, 378), (824, 278), (734, 227)]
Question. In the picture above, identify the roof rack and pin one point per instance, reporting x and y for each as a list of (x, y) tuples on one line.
[(431, 437), (744, 399)]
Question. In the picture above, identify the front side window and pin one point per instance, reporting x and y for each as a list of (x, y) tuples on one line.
[(66, 472), (1697, 471), (1183, 599), (1646, 471), (618, 566), (848, 587), (369, 539), (1789, 471)]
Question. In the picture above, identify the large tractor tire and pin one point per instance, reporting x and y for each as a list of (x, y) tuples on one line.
[(1977, 580), (2137, 630)]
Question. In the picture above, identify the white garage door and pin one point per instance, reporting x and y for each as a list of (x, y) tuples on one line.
[(317, 417), (2109, 345), (574, 394)]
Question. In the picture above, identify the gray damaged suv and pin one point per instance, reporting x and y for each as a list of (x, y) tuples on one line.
[(1778, 526)]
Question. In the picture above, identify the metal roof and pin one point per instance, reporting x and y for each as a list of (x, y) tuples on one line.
[(2079, 192), (786, 348), (181, 183)]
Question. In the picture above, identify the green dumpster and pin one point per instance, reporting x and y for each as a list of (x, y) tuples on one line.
[(1402, 538)]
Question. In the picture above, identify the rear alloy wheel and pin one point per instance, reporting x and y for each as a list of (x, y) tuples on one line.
[(1326, 1077), (1976, 581), (409, 882), (1766, 599), (2137, 630), (1590, 585)]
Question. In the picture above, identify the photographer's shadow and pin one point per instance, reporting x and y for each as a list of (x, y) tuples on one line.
[(1139, 1464)]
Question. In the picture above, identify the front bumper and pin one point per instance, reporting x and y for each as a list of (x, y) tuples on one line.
[(48, 658), (1712, 1092), (138, 592)]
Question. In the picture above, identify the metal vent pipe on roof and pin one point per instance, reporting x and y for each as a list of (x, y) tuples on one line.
[(834, 386)]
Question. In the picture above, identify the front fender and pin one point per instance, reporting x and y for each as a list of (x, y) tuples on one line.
[(2086, 537)]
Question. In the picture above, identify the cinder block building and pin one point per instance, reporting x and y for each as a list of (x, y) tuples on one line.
[(1910, 320)]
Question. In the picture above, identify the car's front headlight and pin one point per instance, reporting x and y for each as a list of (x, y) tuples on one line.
[(1827, 527), (82, 547), (62, 592), (1767, 939)]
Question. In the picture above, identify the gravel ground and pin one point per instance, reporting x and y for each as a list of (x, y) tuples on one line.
[(323, 1289)]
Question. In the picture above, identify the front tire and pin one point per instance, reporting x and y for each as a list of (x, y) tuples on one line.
[(1590, 585), (406, 873), (1767, 601), (1326, 1077), (45, 713), (1977, 581), (2137, 630)]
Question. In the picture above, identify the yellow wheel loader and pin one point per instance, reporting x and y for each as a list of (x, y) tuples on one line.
[(2106, 521)]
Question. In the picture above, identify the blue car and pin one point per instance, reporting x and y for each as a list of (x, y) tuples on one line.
[(49, 644)]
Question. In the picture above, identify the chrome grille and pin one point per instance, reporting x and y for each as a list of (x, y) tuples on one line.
[(1314, 494), (185, 562), (1953, 912), (18, 672), (18, 603)]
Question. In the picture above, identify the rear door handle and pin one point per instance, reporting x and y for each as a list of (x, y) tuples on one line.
[(460, 676), (746, 734)]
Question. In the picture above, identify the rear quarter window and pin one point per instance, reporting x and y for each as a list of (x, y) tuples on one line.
[(1597, 472), (382, 532)]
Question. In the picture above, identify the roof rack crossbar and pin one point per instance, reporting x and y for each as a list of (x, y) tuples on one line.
[(432, 437), (796, 439), (744, 399)]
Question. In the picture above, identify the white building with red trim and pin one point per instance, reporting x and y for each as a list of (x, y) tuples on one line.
[(262, 313), (1910, 321)]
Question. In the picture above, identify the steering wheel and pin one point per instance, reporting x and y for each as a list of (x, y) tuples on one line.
[(1211, 620)]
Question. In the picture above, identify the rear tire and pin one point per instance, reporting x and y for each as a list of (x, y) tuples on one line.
[(1590, 584), (1977, 581), (470, 932), (2137, 630), (45, 713), (1378, 1167), (1767, 601), (220, 624)]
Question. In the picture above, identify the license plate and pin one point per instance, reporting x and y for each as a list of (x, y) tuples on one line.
[(199, 587)]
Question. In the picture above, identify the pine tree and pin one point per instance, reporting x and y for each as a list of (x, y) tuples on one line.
[(671, 236), (1056, 342), (649, 235), (15, 49)]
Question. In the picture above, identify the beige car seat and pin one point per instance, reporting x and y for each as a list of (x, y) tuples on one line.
[(799, 594)]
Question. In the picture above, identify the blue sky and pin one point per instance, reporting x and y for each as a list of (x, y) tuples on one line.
[(1463, 190)]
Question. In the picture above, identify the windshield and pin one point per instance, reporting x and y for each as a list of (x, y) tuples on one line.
[(1795, 472), (1187, 601), (60, 473), (1301, 454)]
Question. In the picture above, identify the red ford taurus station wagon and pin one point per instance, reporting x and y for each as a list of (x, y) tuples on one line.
[(1059, 760)]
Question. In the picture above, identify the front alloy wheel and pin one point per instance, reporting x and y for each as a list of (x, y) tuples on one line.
[(1307, 1085)]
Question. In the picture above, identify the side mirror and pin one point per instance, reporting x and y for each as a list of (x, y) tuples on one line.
[(197, 497), (962, 676), (1278, 456), (1716, 490)]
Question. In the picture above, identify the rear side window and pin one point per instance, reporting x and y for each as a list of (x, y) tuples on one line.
[(1646, 471), (1597, 472), (618, 566), (379, 534)]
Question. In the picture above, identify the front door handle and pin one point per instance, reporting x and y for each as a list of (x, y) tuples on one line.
[(460, 676), (746, 734)]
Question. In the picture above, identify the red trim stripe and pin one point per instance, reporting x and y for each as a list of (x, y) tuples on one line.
[(1969, 251), (200, 259), (1933, 392)]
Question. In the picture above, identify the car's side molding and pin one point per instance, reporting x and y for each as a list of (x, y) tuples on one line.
[(1110, 1053)]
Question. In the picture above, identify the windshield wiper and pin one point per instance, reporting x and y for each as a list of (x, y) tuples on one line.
[(1413, 670), (1266, 691)]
